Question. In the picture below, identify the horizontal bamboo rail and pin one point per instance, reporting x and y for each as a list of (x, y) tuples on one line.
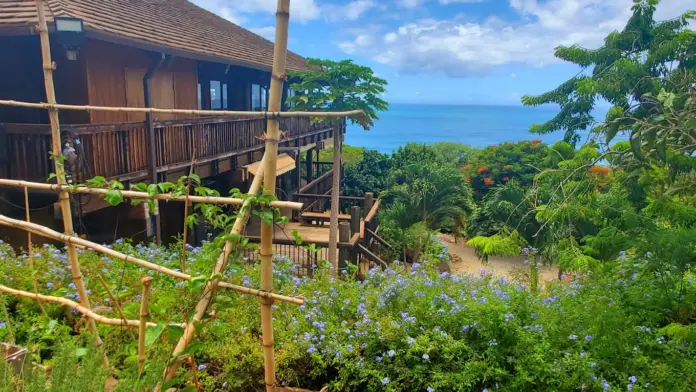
[(74, 305), (225, 113), (46, 232), (142, 195)]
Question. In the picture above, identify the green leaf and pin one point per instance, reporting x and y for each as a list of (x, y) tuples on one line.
[(80, 352), (636, 145), (114, 197), (152, 334), (298, 238)]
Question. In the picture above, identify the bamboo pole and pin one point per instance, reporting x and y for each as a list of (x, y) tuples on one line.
[(204, 302), (142, 195), (90, 314), (113, 298), (335, 198), (48, 66), (144, 314), (30, 251), (278, 77), (46, 232), (8, 322), (191, 112)]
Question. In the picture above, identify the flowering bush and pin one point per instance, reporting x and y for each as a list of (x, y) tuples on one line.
[(409, 328)]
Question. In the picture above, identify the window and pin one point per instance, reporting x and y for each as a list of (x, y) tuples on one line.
[(259, 96), (291, 93), (224, 96), (200, 97), (215, 95)]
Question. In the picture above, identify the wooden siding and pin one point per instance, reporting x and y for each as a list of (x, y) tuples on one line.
[(115, 78)]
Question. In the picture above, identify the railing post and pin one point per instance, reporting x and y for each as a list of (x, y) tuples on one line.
[(309, 165), (354, 220), (343, 237), (369, 202)]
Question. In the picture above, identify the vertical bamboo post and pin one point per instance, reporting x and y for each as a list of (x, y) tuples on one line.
[(335, 196), (60, 171), (144, 314), (8, 322), (30, 251), (278, 78)]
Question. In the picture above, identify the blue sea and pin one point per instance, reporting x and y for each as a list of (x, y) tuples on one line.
[(475, 125)]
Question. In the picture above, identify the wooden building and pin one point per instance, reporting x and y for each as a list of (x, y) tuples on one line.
[(158, 53)]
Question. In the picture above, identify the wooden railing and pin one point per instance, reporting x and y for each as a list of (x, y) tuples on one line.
[(120, 151)]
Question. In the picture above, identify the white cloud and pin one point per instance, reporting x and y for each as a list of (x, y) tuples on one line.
[(300, 10), (460, 48), (267, 32), (350, 11), (416, 3)]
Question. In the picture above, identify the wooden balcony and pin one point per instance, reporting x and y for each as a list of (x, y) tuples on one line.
[(119, 151)]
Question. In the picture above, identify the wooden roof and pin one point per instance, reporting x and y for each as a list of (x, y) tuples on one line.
[(177, 25)]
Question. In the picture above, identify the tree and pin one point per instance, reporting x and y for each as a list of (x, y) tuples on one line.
[(639, 62), (338, 86), (370, 174)]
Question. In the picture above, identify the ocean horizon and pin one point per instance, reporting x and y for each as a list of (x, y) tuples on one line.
[(474, 125)]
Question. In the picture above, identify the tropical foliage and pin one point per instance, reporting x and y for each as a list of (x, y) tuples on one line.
[(338, 86)]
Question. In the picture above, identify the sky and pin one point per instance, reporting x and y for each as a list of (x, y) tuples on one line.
[(446, 51)]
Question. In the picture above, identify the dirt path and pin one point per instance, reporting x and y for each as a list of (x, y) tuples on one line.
[(507, 267)]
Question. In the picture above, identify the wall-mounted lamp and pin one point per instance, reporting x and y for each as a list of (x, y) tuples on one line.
[(70, 32)]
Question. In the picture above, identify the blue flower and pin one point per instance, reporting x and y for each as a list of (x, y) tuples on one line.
[(49, 285), (430, 389), (588, 338), (378, 359), (385, 381), (509, 316), (410, 340), (202, 367), (391, 353), (605, 385), (493, 342), (426, 357), (629, 387), (2, 324), (633, 379), (573, 337)]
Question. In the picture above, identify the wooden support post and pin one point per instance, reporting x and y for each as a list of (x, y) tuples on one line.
[(144, 314), (309, 166), (343, 236), (354, 220), (151, 140), (57, 152), (369, 202), (335, 194)]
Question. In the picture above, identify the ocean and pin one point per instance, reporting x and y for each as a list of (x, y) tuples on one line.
[(475, 125)]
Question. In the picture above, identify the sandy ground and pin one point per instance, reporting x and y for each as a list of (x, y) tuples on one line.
[(507, 267)]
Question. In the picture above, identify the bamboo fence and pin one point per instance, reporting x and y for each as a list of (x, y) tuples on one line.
[(265, 179), (143, 195)]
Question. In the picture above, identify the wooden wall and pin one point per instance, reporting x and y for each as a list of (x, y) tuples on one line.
[(115, 78)]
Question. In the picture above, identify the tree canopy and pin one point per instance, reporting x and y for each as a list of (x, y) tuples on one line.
[(337, 86)]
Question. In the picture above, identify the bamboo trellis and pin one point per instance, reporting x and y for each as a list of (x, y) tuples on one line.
[(265, 177)]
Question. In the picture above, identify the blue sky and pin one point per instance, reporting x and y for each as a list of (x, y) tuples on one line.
[(446, 51)]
